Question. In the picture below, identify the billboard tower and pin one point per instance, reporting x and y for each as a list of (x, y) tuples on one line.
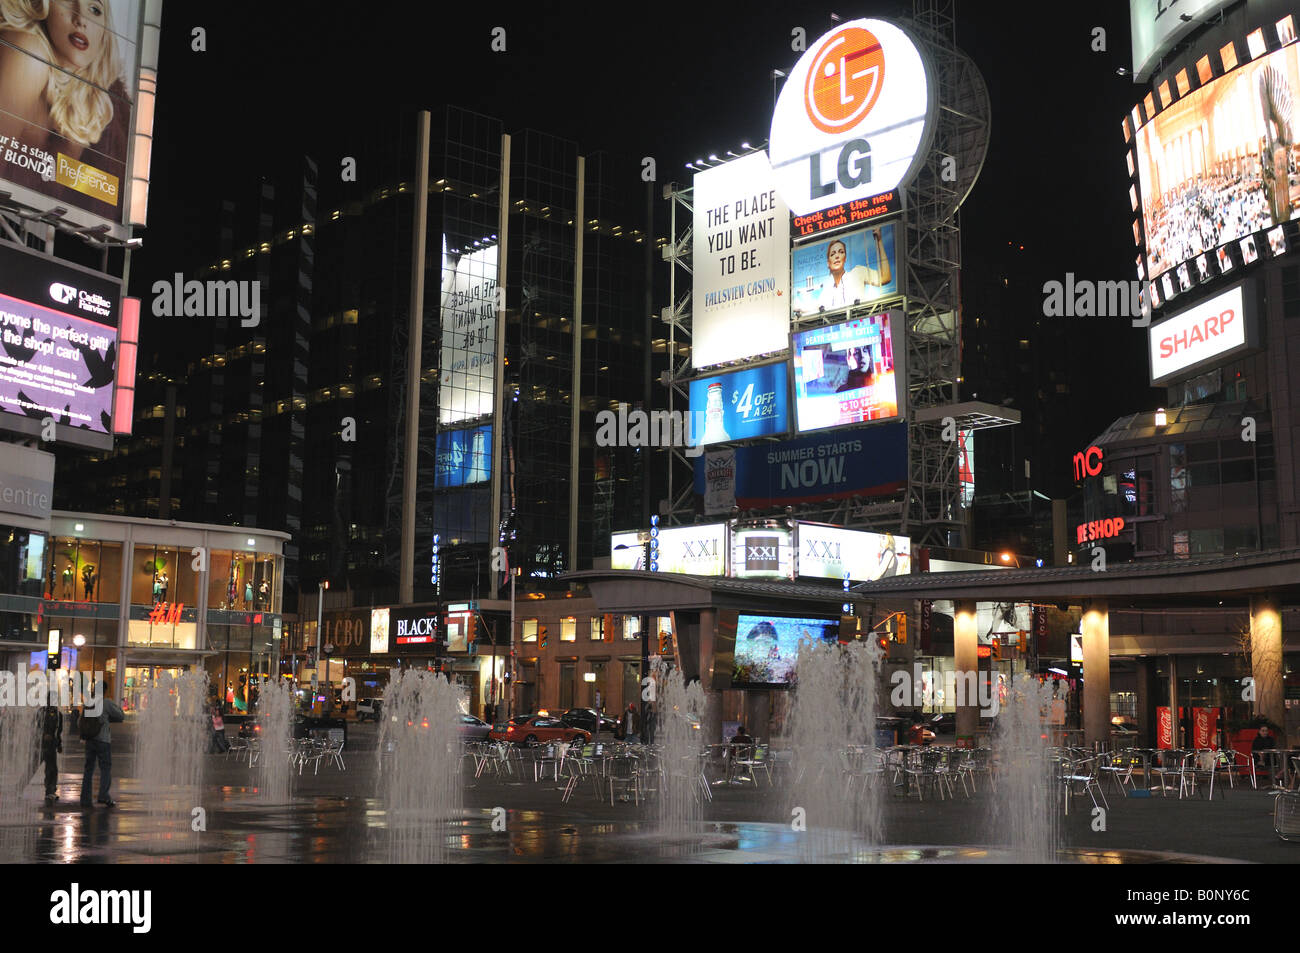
[(884, 129)]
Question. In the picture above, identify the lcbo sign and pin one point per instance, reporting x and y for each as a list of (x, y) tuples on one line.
[(852, 118)]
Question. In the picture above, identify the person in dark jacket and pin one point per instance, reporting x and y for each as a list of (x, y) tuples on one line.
[(97, 733), (51, 747), (629, 724)]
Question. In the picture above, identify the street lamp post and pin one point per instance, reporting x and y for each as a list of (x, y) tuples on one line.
[(320, 617)]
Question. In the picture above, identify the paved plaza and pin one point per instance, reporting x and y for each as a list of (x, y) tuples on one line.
[(337, 817)]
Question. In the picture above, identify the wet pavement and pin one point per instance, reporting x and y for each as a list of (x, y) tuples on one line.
[(335, 817)]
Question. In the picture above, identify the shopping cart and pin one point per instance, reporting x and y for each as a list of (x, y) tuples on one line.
[(1286, 815)]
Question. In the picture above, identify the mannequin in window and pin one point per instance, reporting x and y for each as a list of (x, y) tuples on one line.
[(263, 594), (69, 577), (160, 586), (88, 576), (248, 593), (232, 587)]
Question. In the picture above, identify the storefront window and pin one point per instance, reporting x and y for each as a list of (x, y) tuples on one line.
[(22, 562), (85, 570)]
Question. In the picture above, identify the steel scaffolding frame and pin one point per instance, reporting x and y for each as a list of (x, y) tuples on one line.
[(930, 259)]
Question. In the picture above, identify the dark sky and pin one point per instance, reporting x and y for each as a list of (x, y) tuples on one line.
[(671, 81)]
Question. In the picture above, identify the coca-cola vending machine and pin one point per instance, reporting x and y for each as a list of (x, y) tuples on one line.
[(1205, 728), (1164, 728)]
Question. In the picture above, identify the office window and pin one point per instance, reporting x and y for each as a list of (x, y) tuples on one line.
[(597, 628), (530, 630), (631, 627), (569, 630)]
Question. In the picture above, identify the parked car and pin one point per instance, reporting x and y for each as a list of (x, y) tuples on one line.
[(587, 719), (473, 729), (539, 728), (370, 708), (944, 723)]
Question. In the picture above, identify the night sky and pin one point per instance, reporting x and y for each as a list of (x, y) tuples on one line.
[(676, 82)]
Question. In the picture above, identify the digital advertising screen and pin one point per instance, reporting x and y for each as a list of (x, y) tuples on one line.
[(1216, 166), (626, 551), (844, 373), (463, 457), (469, 333), (767, 646), (379, 619), (741, 404), (766, 553), (58, 342), (831, 552), (66, 105), (740, 255), (694, 550), (853, 268)]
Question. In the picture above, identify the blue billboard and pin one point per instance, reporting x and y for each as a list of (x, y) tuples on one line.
[(464, 457), (836, 273), (871, 461), (740, 405)]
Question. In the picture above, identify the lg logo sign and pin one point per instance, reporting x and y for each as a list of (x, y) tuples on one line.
[(852, 118)]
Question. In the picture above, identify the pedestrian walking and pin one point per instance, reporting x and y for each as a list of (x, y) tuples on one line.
[(96, 731), (51, 747), (220, 744), (650, 722)]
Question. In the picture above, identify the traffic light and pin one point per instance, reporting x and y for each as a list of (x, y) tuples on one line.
[(541, 637), (995, 648), (664, 647), (902, 628)]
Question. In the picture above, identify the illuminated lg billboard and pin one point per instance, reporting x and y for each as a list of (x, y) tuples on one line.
[(853, 268), (67, 104), (58, 345), (740, 255), (1213, 168), (1204, 335), (851, 121), (742, 404), (845, 374)]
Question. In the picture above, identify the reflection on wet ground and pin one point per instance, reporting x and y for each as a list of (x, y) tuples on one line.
[(331, 829)]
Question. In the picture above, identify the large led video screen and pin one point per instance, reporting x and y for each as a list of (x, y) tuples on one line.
[(1216, 166), (740, 263), (844, 373), (767, 646), (67, 100), (58, 341), (854, 268), (463, 457), (469, 333), (740, 405)]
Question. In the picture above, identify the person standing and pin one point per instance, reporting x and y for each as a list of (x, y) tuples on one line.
[(51, 746), (96, 731), (650, 723), (629, 725)]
